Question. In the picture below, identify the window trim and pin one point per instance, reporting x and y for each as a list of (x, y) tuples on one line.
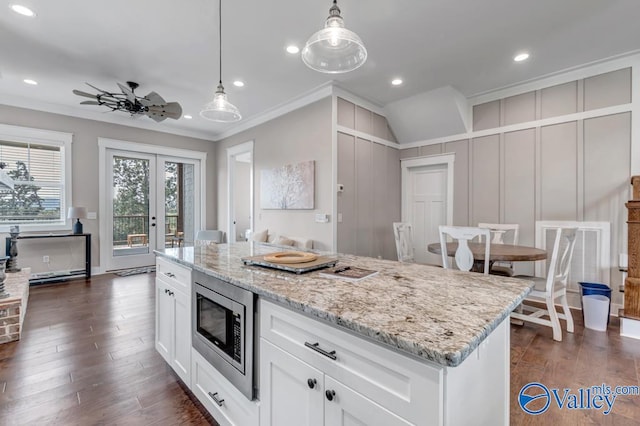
[(45, 137)]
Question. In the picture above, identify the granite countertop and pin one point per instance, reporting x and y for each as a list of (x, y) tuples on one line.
[(432, 313)]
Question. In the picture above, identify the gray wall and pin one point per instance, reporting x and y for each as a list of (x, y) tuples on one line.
[(577, 170), (85, 171), (370, 173), (301, 135)]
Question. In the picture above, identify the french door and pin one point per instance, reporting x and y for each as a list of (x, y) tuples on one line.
[(151, 201)]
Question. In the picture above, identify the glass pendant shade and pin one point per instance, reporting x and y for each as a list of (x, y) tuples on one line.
[(220, 109), (334, 49)]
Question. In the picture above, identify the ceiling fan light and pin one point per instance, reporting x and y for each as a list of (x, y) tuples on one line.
[(220, 109), (334, 49)]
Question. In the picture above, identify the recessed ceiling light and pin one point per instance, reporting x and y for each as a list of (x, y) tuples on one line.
[(521, 57), (396, 81), (31, 82), (238, 83), (293, 49), (187, 116), (22, 10)]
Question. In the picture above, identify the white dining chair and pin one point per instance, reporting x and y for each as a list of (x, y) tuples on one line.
[(404, 241), (502, 233), (205, 237), (464, 255), (553, 287)]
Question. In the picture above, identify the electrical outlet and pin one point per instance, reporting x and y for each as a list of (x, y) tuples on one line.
[(45, 259)]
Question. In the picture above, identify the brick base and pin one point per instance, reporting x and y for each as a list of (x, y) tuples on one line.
[(13, 308)]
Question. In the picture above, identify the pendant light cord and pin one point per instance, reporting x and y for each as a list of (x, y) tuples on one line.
[(220, 38)]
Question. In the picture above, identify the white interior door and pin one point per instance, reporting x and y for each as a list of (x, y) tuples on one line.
[(427, 193), (131, 216), (239, 191)]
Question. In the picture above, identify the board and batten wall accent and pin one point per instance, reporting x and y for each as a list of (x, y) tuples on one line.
[(300, 135), (370, 174), (575, 169)]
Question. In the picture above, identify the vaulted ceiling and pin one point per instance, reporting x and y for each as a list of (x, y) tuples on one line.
[(171, 47)]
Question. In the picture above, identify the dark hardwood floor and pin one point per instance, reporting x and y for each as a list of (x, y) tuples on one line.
[(583, 359), (87, 357)]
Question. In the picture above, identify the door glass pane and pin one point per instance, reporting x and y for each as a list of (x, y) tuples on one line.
[(179, 212), (130, 206)]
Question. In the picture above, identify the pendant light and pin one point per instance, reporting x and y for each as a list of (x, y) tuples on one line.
[(220, 109), (334, 49)]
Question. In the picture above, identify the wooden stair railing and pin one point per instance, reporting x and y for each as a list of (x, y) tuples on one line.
[(632, 283)]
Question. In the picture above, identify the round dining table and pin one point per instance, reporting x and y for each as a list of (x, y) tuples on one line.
[(497, 253)]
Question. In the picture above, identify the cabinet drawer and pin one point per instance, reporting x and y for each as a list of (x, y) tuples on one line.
[(233, 407), (402, 385), (177, 275)]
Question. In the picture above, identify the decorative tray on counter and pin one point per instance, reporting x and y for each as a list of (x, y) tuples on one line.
[(267, 260)]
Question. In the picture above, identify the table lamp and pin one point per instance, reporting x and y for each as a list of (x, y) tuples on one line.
[(77, 213)]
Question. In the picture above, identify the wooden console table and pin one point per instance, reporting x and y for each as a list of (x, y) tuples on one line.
[(59, 276)]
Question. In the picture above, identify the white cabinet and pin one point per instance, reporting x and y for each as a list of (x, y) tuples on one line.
[(357, 382), (302, 395), (366, 378), (227, 405), (173, 317), (347, 408), (291, 390)]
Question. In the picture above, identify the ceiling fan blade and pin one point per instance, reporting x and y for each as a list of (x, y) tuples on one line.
[(157, 118), (85, 94), (94, 87), (154, 99), (89, 103), (171, 110), (131, 97)]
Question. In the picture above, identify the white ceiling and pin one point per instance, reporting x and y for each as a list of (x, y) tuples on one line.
[(171, 47)]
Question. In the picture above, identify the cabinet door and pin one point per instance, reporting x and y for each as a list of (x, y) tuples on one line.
[(181, 361), (164, 321), (349, 408), (291, 390)]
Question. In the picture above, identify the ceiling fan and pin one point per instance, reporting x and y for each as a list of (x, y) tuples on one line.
[(152, 105)]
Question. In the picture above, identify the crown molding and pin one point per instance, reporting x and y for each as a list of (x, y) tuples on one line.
[(309, 97), (21, 102), (612, 63)]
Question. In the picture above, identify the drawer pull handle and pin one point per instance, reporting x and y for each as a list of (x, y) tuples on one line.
[(330, 394), (166, 290), (170, 274), (170, 293), (316, 347), (214, 396), (311, 383)]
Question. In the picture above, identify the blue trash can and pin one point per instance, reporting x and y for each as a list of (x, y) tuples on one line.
[(595, 288)]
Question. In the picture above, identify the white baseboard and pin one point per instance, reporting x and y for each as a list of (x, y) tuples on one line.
[(630, 328)]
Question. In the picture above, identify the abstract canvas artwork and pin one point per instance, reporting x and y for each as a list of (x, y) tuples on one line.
[(288, 187)]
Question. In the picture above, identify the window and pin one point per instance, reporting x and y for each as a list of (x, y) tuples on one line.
[(36, 161)]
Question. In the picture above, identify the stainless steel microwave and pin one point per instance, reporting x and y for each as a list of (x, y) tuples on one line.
[(223, 327)]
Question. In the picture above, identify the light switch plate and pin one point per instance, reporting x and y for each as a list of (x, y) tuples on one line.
[(322, 218)]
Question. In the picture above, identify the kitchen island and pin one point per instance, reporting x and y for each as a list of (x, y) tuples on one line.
[(413, 344)]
